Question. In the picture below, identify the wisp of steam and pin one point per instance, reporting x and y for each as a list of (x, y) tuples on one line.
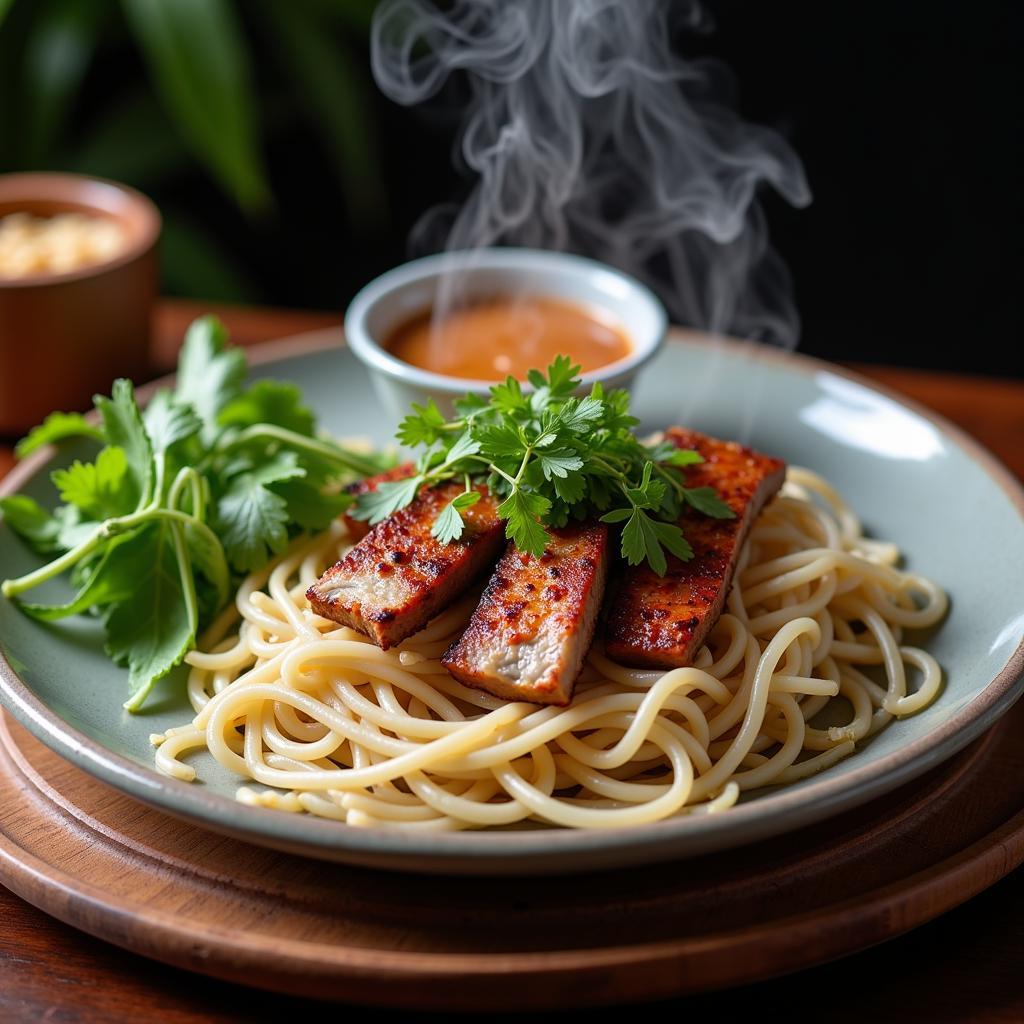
[(588, 133)]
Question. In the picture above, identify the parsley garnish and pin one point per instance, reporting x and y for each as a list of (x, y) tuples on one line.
[(551, 457), (180, 501)]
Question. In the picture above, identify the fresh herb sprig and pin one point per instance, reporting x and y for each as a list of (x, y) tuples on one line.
[(551, 457), (182, 499)]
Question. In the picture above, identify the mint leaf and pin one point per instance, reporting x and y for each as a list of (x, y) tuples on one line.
[(123, 426), (706, 500), (58, 426), (269, 401), (152, 631)]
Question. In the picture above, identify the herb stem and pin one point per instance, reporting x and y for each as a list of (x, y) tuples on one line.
[(335, 453)]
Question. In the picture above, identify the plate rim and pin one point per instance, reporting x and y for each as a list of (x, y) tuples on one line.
[(547, 850)]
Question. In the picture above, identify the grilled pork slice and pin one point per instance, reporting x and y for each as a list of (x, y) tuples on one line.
[(532, 629), (357, 528), (661, 622), (399, 576)]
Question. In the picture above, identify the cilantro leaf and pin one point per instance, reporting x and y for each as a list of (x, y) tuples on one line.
[(168, 421), (58, 426), (375, 506), (123, 427), (706, 500), (570, 488), (559, 463), (269, 401), (508, 397), (422, 426), (579, 417), (682, 457), (101, 489), (209, 374), (449, 525), (252, 519), (463, 447), (522, 510)]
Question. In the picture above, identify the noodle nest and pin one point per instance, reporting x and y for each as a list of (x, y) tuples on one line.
[(806, 661)]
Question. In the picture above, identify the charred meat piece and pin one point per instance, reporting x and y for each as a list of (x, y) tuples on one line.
[(532, 629), (661, 621), (399, 576), (357, 529)]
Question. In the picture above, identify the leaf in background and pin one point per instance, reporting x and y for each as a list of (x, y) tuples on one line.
[(336, 98), (195, 263), (57, 55), (151, 632), (209, 374), (122, 424), (57, 427), (198, 60), (269, 401), (132, 141), (5, 6)]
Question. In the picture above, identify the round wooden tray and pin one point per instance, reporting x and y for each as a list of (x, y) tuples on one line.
[(133, 875)]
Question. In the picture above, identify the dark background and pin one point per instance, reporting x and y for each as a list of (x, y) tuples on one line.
[(909, 117)]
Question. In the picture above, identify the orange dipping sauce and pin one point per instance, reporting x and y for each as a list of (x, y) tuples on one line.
[(497, 338)]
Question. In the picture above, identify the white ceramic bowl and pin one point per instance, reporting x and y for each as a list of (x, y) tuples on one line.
[(400, 294)]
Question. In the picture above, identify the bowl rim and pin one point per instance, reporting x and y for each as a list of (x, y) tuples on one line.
[(378, 360), (32, 186), (545, 851)]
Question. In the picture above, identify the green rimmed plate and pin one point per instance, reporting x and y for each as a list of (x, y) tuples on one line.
[(957, 514)]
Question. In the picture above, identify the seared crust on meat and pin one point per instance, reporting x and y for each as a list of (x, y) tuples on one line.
[(357, 528), (661, 622), (399, 576), (535, 621)]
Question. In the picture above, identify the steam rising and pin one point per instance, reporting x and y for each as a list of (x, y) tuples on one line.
[(589, 134)]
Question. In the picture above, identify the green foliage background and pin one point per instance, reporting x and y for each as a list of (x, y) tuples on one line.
[(238, 117)]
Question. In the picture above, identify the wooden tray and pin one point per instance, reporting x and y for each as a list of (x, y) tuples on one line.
[(169, 890)]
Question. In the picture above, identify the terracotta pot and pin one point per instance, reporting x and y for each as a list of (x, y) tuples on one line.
[(66, 336)]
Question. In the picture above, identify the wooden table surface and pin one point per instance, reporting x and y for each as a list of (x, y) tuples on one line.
[(966, 966)]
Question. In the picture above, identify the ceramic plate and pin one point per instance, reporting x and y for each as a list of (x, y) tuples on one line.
[(956, 513)]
